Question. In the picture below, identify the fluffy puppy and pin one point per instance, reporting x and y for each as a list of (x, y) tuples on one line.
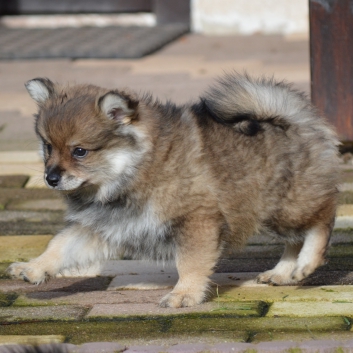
[(160, 181)]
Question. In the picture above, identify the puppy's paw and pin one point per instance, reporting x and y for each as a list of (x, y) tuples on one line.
[(275, 278), (305, 269), (180, 300), (27, 271), (300, 273)]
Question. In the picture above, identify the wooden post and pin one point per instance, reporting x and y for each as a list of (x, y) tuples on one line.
[(172, 11), (331, 53)]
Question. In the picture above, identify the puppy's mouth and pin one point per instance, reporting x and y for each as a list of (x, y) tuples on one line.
[(64, 183)]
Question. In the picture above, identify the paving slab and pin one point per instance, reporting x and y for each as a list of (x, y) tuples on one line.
[(165, 328), (345, 210), (29, 199), (17, 195), (90, 295), (188, 348), (149, 311), (344, 218), (99, 347), (34, 217), (345, 197), (275, 347), (30, 340), (37, 205), (263, 324), (63, 285), (345, 187), (13, 181), (166, 340), (124, 332), (312, 309), (19, 222), (153, 281), (22, 248), (302, 336), (292, 294), (88, 298), (41, 313), (232, 347), (163, 281), (321, 346), (148, 349)]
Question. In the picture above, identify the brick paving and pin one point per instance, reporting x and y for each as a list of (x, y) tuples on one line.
[(113, 307)]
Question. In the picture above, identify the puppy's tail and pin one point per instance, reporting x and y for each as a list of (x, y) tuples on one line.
[(248, 105)]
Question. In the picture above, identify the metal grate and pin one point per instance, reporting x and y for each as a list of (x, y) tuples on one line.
[(86, 42)]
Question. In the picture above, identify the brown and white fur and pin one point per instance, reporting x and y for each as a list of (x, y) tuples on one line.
[(160, 181)]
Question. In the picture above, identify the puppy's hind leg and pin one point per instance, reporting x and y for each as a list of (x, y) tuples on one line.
[(312, 254), (282, 273)]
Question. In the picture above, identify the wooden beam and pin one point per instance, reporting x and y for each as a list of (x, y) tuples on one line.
[(331, 55)]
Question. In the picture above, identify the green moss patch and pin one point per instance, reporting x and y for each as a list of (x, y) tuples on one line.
[(7, 299), (240, 309), (273, 294), (90, 331), (341, 250), (345, 197), (3, 274), (25, 301)]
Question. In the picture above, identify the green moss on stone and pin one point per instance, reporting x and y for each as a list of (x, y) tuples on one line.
[(97, 330), (3, 274), (240, 309), (341, 250), (345, 197), (7, 299), (23, 301)]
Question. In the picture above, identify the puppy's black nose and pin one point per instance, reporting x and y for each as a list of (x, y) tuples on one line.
[(53, 179)]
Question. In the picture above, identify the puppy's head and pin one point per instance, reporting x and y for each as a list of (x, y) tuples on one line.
[(89, 136)]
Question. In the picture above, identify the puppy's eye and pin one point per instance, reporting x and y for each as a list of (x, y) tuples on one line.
[(79, 152)]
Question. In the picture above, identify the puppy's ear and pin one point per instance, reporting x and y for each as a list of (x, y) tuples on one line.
[(40, 89), (118, 107)]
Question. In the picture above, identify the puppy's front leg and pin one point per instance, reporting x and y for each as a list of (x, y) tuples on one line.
[(73, 247), (198, 250)]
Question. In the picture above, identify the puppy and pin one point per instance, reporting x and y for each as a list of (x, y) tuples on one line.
[(160, 181)]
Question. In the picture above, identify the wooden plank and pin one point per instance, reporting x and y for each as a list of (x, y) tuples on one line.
[(26, 7), (331, 53)]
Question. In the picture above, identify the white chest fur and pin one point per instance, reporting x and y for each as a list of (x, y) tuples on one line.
[(137, 232)]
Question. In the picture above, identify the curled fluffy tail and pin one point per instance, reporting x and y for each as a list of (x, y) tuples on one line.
[(248, 104)]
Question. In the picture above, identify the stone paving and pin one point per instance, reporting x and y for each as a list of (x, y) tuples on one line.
[(113, 307)]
